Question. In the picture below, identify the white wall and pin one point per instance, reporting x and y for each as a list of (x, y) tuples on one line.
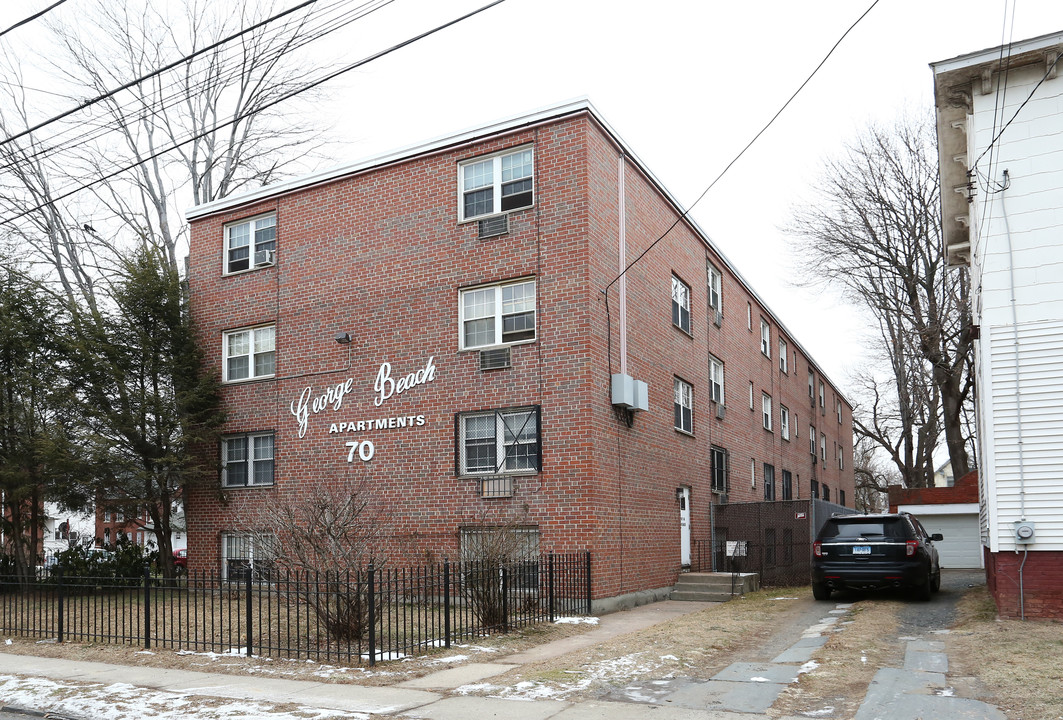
[(1017, 275)]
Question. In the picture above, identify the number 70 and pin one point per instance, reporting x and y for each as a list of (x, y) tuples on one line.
[(364, 448)]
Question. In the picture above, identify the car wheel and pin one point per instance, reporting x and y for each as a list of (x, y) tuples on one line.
[(923, 590), (936, 583), (820, 591)]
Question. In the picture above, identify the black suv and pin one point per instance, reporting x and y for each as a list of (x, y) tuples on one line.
[(870, 552)]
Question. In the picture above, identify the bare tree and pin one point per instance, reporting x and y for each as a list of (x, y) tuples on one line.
[(330, 534), (873, 230), (872, 479)]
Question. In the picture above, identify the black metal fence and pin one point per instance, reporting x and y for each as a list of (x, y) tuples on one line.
[(369, 615), (773, 539)]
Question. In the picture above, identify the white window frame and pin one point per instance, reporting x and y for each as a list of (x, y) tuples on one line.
[(497, 183), (498, 312), (253, 353), (784, 422), (260, 551), (683, 405), (751, 405), (765, 338), (765, 410), (811, 384), (514, 420), (812, 440), (715, 289), (752, 472), (681, 305), (749, 316), (783, 359), (261, 245), (716, 380), (822, 401), (838, 402), (823, 447), (254, 457)]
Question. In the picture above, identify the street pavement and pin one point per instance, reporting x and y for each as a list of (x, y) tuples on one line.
[(742, 691)]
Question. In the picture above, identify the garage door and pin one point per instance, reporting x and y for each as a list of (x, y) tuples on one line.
[(961, 547)]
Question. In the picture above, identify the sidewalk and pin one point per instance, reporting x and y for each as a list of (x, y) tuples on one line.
[(741, 691)]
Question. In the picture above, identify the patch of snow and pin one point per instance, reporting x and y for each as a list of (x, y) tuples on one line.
[(844, 606), (786, 598), (863, 659), (824, 712), (940, 632), (447, 660), (576, 621), (759, 679), (8, 641), (808, 667), (121, 701), (669, 657), (143, 652), (384, 657)]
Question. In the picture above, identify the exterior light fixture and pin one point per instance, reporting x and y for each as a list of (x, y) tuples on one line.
[(343, 338)]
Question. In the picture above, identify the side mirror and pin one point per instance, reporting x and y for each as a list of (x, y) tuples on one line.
[(936, 537)]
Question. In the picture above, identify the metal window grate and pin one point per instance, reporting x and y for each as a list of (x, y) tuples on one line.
[(496, 487)]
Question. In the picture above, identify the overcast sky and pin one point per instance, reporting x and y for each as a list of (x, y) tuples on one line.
[(686, 84)]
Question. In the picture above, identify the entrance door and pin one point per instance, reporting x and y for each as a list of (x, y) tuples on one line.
[(684, 526)]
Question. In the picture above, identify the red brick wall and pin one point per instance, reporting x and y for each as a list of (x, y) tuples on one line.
[(381, 255), (1042, 583), (964, 491)]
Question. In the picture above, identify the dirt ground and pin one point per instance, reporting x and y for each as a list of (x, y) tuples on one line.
[(1015, 665)]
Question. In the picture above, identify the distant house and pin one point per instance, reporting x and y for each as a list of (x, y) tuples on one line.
[(951, 510), (1000, 145)]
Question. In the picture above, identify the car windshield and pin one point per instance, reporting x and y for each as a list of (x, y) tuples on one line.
[(841, 530)]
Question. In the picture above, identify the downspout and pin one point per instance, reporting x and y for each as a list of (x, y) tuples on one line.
[(1018, 388), (622, 251)]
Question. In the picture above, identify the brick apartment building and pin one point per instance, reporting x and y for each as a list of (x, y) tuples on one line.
[(442, 323)]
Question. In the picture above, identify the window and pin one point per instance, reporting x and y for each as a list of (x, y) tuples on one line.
[(247, 460), (823, 447), (838, 405), (841, 461), (784, 422), (715, 289), (684, 406), (749, 316), (716, 380), (769, 482), (250, 243), (812, 440), (787, 485), (250, 354), (826, 493), (782, 355), (752, 472), (720, 474), (498, 184), (751, 395), (821, 405), (107, 516), (497, 314), (814, 489), (119, 516), (797, 427), (243, 553), (765, 338), (765, 409), (680, 305), (811, 384), (841, 498), (499, 441)]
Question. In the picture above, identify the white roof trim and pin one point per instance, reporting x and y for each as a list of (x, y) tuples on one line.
[(992, 55), (942, 509), (516, 122)]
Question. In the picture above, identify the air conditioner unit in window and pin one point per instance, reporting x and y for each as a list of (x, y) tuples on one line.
[(495, 359), (720, 409), (264, 257), (718, 320), (494, 226)]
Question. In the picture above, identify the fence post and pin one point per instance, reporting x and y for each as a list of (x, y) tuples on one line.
[(550, 584), (446, 602), (147, 606), (505, 599), (587, 565), (372, 615), (250, 639), (59, 627)]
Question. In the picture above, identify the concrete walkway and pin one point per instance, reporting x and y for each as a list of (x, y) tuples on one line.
[(741, 691)]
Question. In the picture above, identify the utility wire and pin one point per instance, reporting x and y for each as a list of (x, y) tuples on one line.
[(33, 17), (242, 116), (176, 93), (155, 73), (1017, 111), (748, 145)]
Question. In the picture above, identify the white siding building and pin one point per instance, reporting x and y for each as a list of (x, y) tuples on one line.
[(1000, 142)]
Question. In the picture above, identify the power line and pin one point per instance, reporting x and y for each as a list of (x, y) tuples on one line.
[(748, 145), (261, 108), (33, 17), (155, 73), (175, 92)]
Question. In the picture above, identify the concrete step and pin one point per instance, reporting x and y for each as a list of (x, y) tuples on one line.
[(713, 587)]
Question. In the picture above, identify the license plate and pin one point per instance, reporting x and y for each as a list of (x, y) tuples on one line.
[(861, 549)]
